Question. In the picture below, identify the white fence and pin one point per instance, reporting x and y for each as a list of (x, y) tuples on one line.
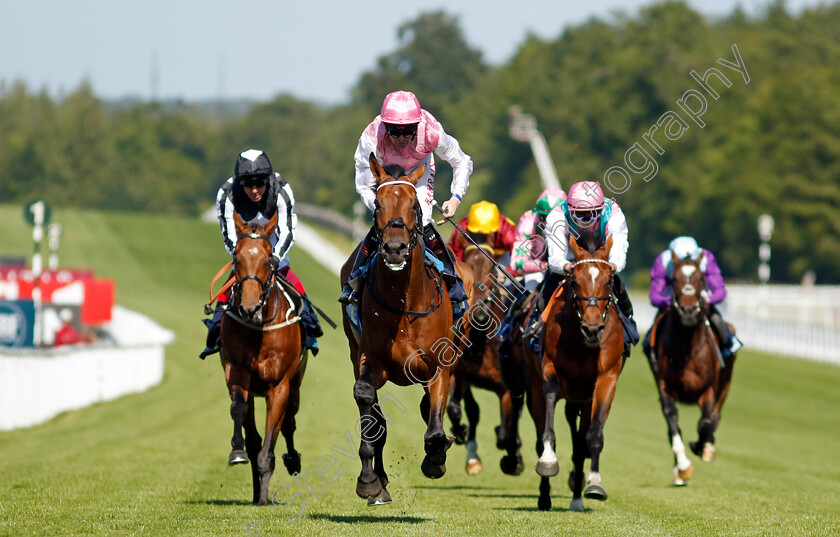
[(36, 384), (790, 320)]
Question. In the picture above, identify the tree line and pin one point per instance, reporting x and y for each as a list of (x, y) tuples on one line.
[(634, 102)]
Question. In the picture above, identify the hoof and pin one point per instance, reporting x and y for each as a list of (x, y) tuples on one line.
[(368, 490), (548, 469), (512, 465), (474, 466), (576, 505), (238, 456), (595, 492), (433, 469), (460, 432), (383, 498), (680, 476), (708, 452), (292, 462)]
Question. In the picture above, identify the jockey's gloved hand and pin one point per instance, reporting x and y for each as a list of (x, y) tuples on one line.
[(274, 262)]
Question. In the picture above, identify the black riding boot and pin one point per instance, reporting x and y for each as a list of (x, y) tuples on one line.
[(630, 332), (457, 294), (725, 336), (352, 287), (534, 326), (311, 326), (214, 330)]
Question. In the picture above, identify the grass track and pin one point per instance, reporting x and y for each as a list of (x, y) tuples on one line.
[(155, 463)]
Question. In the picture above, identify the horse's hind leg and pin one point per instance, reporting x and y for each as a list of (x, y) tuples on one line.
[(474, 464), (368, 484), (276, 400), (573, 412), (453, 409), (291, 459)]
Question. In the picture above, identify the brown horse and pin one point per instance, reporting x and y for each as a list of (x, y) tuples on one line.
[(478, 365), (405, 321), (581, 363), (687, 365), (261, 356)]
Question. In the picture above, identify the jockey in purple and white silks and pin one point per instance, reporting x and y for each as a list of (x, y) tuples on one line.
[(661, 276), (405, 135), (592, 219)]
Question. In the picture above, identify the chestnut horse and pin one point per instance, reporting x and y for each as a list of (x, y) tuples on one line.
[(405, 330), (261, 356), (581, 363), (478, 365), (687, 365)]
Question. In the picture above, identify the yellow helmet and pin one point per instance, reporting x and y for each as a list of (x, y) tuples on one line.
[(484, 218)]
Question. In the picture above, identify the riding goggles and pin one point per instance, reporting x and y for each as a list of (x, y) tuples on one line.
[(396, 131), (253, 181)]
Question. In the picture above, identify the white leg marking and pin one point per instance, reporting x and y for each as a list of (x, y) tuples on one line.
[(679, 451), (548, 455), (594, 478)]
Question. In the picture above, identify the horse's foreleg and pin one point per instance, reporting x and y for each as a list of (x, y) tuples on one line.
[(682, 465), (377, 434), (575, 411), (238, 381), (368, 484), (592, 425), (435, 440), (276, 400), (704, 447), (547, 466), (508, 439), (253, 444), (474, 465)]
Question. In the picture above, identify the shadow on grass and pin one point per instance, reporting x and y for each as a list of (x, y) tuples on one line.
[(537, 509), (457, 487), (346, 519), (219, 502)]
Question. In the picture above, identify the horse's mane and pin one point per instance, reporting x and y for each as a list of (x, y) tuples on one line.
[(394, 170), (588, 241)]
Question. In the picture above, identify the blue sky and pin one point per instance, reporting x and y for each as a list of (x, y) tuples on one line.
[(258, 48)]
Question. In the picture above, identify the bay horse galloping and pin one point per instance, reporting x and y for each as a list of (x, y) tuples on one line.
[(261, 356), (404, 331), (479, 363), (687, 365), (581, 363)]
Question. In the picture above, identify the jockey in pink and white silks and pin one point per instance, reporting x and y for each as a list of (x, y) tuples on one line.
[(661, 291), (405, 135), (592, 219), (529, 257)]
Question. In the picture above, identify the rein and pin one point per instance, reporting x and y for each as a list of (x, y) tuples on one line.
[(266, 327), (266, 287), (438, 291)]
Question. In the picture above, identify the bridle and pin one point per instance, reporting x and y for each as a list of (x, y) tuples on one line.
[(591, 301), (398, 222), (265, 286), (688, 289)]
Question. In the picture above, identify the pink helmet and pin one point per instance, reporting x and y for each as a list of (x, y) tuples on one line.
[(549, 198), (586, 196), (401, 108)]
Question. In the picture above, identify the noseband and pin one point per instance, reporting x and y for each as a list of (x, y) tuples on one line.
[(398, 221), (267, 285), (591, 301)]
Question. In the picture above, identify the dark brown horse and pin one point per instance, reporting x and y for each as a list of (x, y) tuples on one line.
[(688, 367), (404, 336), (581, 363), (478, 365), (261, 356)]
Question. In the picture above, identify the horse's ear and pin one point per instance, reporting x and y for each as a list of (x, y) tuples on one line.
[(416, 175), (377, 169), (608, 246), (241, 226), (580, 253), (674, 258), (269, 227), (700, 259)]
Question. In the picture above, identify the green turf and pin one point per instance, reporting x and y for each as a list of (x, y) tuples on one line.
[(155, 463)]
